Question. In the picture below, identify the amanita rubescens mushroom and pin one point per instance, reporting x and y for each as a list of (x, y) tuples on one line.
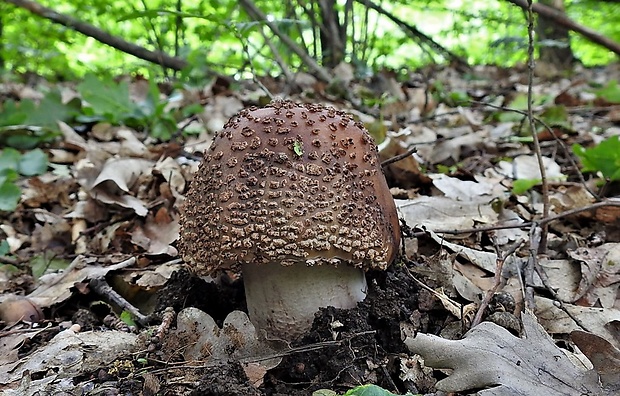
[(293, 196)]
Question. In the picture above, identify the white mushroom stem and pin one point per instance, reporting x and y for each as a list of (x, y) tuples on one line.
[(282, 300)]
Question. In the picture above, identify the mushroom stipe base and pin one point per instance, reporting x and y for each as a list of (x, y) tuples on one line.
[(282, 301)]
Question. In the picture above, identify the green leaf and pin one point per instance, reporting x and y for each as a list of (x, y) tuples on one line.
[(45, 115), (25, 140), (33, 163), (9, 159), (127, 318), (8, 175), (457, 98), (4, 248), (298, 148), (556, 116), (13, 113), (50, 111), (604, 158), (610, 92), (192, 109), (519, 102), (161, 130), (369, 390), (41, 263), (107, 98), (521, 186), (9, 196), (324, 392)]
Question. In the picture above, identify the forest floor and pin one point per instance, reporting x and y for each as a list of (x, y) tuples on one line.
[(94, 296)]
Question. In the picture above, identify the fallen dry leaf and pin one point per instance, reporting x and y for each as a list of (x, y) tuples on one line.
[(603, 355), (489, 357)]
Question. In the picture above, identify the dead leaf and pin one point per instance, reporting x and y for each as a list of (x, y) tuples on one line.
[(171, 171), (600, 270), (156, 236), (461, 190), (122, 172), (526, 167), (491, 358), (442, 213), (56, 288), (604, 322), (69, 353), (202, 339), (603, 355)]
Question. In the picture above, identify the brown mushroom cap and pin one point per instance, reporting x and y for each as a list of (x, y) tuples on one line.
[(286, 183)]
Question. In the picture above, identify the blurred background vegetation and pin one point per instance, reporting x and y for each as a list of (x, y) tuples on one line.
[(240, 38)]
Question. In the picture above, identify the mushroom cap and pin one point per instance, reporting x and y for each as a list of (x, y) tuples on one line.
[(289, 183)]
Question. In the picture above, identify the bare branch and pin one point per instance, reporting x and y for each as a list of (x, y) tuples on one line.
[(561, 19), (413, 32), (102, 36), (258, 15)]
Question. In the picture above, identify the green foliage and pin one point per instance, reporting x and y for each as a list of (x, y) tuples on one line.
[(556, 116), (368, 390), (521, 186), (451, 98), (12, 165), (107, 101), (324, 392), (604, 158), (127, 318), (9, 192), (33, 163), (597, 15), (610, 92), (364, 390), (298, 148), (4, 247), (110, 102), (25, 124), (204, 34), (519, 102), (42, 50), (447, 170), (42, 263)]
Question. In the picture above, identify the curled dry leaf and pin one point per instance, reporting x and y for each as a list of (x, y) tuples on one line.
[(114, 183), (491, 357), (57, 288), (604, 322), (600, 270), (156, 235), (603, 355)]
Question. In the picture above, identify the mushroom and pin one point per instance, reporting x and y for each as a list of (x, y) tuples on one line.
[(294, 197)]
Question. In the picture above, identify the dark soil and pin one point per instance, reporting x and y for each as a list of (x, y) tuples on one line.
[(344, 348)]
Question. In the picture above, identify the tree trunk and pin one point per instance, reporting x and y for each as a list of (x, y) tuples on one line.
[(332, 39), (553, 39)]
